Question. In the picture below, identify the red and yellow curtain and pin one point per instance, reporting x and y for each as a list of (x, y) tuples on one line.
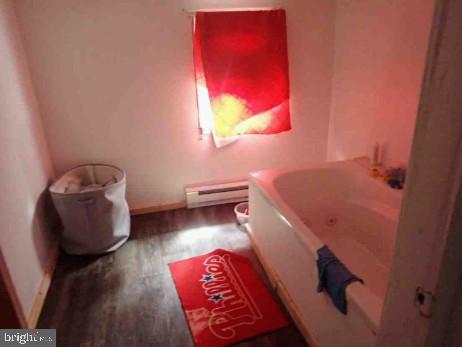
[(242, 74)]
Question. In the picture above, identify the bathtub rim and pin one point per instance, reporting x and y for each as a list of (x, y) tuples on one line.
[(368, 304)]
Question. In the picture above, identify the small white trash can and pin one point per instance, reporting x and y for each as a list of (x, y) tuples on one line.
[(242, 212), (90, 200)]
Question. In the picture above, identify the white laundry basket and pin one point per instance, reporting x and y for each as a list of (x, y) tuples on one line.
[(90, 200)]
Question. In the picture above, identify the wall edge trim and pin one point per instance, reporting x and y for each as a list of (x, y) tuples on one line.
[(157, 208), (40, 297)]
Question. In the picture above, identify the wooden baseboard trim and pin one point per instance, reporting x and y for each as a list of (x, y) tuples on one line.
[(43, 289), (11, 291), (282, 292), (157, 208)]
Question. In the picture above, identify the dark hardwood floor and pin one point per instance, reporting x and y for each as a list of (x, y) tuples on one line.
[(128, 298)]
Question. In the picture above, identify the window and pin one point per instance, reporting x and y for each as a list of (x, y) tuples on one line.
[(242, 74)]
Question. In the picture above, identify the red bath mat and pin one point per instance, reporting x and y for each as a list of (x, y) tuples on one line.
[(223, 299)]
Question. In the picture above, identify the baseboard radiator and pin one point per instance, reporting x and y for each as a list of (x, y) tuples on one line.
[(198, 195)]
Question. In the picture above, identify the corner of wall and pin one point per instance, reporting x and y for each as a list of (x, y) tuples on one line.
[(34, 99), (330, 130), (27, 235)]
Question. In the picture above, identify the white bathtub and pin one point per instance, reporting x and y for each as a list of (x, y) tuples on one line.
[(293, 212)]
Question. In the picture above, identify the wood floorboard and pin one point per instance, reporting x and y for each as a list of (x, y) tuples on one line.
[(128, 298)]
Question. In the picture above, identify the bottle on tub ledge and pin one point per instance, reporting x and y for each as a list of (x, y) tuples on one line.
[(376, 160), (394, 176)]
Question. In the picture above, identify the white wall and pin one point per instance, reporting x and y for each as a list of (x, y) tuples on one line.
[(380, 51), (25, 167), (115, 82)]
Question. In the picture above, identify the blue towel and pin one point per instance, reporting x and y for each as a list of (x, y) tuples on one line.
[(334, 277)]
